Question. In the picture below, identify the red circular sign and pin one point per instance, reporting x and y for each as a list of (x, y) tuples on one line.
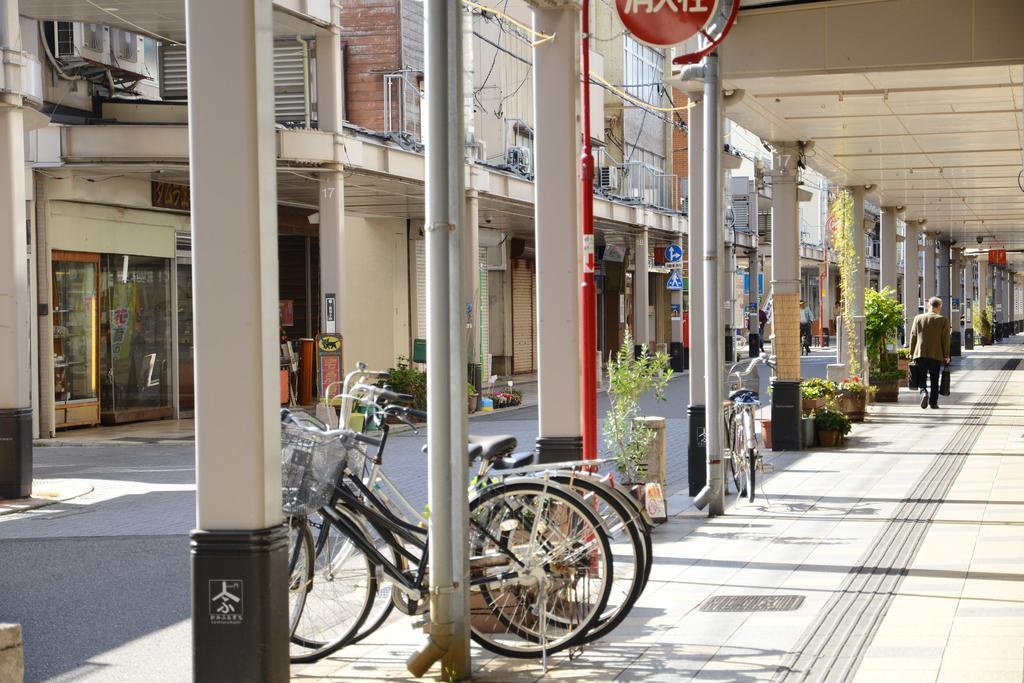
[(664, 22)]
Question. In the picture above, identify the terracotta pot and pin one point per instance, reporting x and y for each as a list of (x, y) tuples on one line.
[(828, 438), (766, 433)]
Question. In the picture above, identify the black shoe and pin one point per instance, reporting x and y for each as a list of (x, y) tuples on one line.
[(924, 399), (936, 406)]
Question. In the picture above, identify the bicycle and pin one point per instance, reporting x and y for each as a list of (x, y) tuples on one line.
[(540, 558), (743, 450)]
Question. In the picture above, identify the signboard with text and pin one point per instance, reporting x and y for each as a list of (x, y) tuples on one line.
[(329, 362), (664, 22)]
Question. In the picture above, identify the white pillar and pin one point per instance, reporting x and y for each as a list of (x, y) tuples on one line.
[(641, 295), (859, 277), (334, 300), (15, 294), (910, 268), (887, 278), (930, 288), (785, 251), (471, 276), (984, 281), (942, 282), (556, 87), (239, 533)]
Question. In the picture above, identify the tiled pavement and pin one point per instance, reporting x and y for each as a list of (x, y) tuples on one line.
[(954, 609)]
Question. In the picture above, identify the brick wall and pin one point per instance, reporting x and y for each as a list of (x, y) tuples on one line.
[(786, 344), (680, 139), (371, 32)]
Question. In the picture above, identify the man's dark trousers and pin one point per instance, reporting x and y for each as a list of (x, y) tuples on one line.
[(931, 368)]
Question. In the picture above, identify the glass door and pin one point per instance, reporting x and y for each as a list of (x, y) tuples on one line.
[(75, 338), (136, 349), (186, 373)]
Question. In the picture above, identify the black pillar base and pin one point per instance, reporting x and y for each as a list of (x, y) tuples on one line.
[(785, 415), (969, 339), (729, 352), (559, 449), (240, 605), (686, 358), (15, 453), (954, 343), (696, 450), (754, 344), (677, 356)]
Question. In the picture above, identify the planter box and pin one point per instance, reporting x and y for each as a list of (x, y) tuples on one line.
[(827, 439), (904, 366), (853, 406), (809, 405), (888, 391)]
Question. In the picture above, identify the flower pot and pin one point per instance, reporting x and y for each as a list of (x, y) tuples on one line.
[(828, 438), (807, 431), (853, 406), (888, 391), (766, 433)]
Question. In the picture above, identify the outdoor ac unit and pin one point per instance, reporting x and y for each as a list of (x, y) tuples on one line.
[(75, 39), (519, 159), (608, 178)]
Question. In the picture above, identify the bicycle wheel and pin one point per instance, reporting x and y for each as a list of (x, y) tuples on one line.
[(644, 523), (540, 568), (342, 593), (736, 450), (629, 553), (383, 603), (750, 451), (300, 568), (751, 473)]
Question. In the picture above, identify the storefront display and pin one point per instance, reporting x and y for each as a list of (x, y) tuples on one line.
[(136, 332), (75, 340)]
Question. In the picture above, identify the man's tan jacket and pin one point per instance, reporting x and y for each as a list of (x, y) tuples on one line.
[(929, 337)]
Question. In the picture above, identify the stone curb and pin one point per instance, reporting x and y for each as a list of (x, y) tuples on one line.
[(16, 505)]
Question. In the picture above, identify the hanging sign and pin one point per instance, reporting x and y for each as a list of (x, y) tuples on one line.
[(675, 282), (664, 22), (330, 325), (997, 256), (588, 253)]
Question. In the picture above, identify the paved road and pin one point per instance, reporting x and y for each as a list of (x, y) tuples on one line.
[(100, 584)]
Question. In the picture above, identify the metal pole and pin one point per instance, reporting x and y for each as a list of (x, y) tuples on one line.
[(588, 291), (713, 494), (441, 19)]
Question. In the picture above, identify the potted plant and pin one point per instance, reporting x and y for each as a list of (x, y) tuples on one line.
[(815, 393), (852, 398), (472, 398), (983, 316), (404, 378), (630, 376), (831, 426), (882, 322), (903, 363)]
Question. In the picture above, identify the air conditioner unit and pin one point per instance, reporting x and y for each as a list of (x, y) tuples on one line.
[(608, 178), (519, 159), (75, 39)]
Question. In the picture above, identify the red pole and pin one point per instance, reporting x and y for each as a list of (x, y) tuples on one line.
[(588, 291)]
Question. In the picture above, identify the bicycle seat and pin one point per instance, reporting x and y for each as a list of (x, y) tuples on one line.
[(492, 447), (511, 462), (744, 396)]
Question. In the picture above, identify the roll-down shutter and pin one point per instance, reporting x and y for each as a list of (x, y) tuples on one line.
[(523, 317)]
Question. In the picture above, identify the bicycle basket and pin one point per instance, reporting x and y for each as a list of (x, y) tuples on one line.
[(311, 463)]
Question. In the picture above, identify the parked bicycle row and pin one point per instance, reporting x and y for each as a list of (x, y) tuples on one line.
[(558, 555)]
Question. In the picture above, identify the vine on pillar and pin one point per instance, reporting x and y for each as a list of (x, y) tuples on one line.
[(840, 224)]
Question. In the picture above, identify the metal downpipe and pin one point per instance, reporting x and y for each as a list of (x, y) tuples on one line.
[(712, 495), (439, 226)]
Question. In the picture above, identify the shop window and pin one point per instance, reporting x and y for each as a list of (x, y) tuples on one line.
[(135, 357), (75, 330)]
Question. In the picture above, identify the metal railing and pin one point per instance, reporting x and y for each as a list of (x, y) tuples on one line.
[(397, 89)]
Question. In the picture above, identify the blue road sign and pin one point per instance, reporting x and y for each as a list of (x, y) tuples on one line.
[(673, 253), (675, 282)]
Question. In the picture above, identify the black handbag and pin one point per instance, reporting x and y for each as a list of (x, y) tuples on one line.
[(944, 381), (912, 374)]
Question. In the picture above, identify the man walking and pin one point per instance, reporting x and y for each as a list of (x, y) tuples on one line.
[(929, 347), (806, 321)]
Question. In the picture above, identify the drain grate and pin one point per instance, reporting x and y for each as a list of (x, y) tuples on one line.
[(752, 603)]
